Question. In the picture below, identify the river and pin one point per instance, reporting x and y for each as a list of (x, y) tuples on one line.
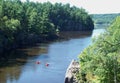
[(33, 68)]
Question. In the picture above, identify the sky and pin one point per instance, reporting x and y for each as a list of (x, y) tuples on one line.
[(91, 6)]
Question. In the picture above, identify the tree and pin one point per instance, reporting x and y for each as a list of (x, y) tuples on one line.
[(21, 22), (100, 62)]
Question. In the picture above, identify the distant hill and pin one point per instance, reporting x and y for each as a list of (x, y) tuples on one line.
[(104, 18)]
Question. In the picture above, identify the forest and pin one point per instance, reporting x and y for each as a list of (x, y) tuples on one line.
[(100, 62), (104, 18), (28, 23)]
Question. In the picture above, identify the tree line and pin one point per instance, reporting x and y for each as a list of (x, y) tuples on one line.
[(26, 23), (100, 62), (104, 18)]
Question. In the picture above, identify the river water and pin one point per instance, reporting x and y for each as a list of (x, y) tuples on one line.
[(32, 68)]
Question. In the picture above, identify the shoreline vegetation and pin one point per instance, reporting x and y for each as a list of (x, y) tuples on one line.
[(100, 62), (28, 23)]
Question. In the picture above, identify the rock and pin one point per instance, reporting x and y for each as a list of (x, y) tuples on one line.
[(71, 70)]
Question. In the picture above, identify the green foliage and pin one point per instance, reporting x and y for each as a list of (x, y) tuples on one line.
[(70, 18), (100, 62), (104, 18), (28, 22)]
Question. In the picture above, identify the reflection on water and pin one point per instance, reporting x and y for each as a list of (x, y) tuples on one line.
[(58, 54), (10, 69), (97, 32), (36, 50), (75, 34), (9, 73)]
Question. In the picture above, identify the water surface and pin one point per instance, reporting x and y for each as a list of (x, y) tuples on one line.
[(57, 54)]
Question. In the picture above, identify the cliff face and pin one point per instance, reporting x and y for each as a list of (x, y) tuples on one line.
[(72, 70)]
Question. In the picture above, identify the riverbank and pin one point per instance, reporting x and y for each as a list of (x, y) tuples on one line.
[(29, 41), (58, 54), (72, 70), (100, 61), (26, 41)]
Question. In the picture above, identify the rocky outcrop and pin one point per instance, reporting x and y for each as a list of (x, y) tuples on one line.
[(71, 71)]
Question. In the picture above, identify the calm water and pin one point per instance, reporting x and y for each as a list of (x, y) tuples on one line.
[(58, 54)]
